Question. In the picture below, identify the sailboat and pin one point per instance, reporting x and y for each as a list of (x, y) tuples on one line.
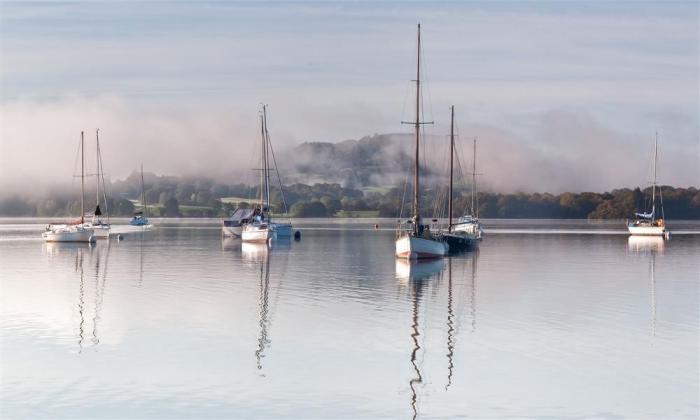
[(648, 224), (100, 226), (417, 241), (260, 227), (78, 231), (466, 233), (141, 217)]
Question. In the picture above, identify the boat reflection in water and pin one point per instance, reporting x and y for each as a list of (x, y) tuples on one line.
[(85, 259), (649, 246), (260, 254), (653, 244), (419, 275)]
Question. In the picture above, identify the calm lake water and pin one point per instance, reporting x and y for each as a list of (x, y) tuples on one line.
[(547, 319)]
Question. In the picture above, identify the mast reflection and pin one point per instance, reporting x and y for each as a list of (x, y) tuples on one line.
[(651, 246), (99, 293), (417, 275), (260, 254), (81, 298), (450, 326)]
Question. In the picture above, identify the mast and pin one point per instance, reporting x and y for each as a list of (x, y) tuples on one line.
[(82, 177), (416, 178), (653, 186), (266, 141), (475, 209), (262, 164), (143, 194), (97, 157), (452, 153)]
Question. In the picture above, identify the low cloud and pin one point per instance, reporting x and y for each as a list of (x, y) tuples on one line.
[(552, 151)]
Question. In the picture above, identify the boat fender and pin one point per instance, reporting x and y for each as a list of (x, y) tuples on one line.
[(297, 235), (376, 226)]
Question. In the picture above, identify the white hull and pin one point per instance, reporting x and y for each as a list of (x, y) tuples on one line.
[(647, 230), (257, 234), (411, 247), (232, 231), (471, 228), (282, 230), (69, 234), (100, 231)]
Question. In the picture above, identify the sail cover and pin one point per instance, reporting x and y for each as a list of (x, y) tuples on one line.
[(98, 212), (645, 215)]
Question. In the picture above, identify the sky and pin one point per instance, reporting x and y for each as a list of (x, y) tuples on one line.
[(562, 95)]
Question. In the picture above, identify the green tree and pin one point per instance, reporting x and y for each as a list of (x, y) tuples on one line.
[(309, 209), (171, 208)]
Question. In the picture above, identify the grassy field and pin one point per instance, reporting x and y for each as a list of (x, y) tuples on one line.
[(236, 200), (357, 213)]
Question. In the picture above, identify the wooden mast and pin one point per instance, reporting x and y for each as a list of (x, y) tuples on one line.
[(452, 153), (266, 140), (475, 208), (416, 178), (97, 156), (82, 177), (653, 186)]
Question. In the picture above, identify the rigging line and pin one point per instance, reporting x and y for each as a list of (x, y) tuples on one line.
[(102, 170), (403, 197), (75, 165), (279, 179)]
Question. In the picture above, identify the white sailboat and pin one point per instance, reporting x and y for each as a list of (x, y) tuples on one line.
[(417, 242), (73, 232), (648, 224), (100, 227), (259, 229), (469, 223), (283, 230)]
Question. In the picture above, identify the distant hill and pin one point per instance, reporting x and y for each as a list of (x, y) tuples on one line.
[(372, 161)]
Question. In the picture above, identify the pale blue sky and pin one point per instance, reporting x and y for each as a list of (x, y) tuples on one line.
[(610, 74)]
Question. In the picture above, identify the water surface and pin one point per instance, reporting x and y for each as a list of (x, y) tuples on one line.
[(558, 319)]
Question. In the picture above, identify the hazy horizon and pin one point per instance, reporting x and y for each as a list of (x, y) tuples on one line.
[(562, 96)]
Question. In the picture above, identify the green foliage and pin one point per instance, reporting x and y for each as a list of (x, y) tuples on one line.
[(309, 209), (171, 208), (201, 197)]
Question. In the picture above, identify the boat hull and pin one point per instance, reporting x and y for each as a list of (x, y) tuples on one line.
[(647, 230), (69, 235), (460, 241), (100, 231), (232, 231), (282, 230), (259, 235), (414, 248)]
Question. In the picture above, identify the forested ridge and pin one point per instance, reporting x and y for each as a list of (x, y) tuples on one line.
[(170, 196)]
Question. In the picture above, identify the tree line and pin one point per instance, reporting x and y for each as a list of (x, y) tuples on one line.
[(203, 197)]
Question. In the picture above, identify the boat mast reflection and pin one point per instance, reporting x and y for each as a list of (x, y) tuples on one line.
[(264, 340), (450, 326), (418, 275), (99, 293), (651, 246), (81, 298)]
